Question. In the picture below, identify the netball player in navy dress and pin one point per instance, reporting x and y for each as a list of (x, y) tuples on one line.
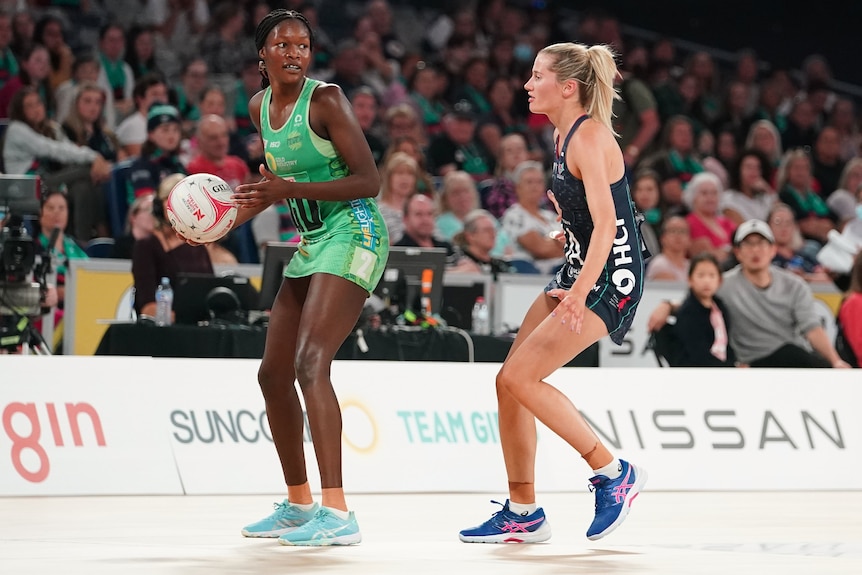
[(595, 294)]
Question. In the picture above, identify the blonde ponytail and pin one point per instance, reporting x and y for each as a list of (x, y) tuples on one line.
[(594, 69), (604, 68)]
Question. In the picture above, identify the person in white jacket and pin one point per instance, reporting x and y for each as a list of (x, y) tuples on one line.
[(33, 144)]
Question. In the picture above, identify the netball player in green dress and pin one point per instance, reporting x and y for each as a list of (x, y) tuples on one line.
[(318, 160)]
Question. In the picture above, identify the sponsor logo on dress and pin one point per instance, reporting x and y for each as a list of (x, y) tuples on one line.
[(294, 140), (623, 278)]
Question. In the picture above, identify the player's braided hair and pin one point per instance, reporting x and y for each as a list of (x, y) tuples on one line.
[(272, 19), (269, 22)]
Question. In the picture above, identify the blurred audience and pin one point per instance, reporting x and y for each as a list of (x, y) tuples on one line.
[(775, 323), (8, 62), (646, 195), (49, 32), (790, 250), (35, 67), (750, 196), (139, 224), (54, 218), (115, 74), (474, 244), (701, 335), (843, 200), (764, 137), (456, 147), (33, 144), (419, 226), (159, 154), (410, 146), (528, 224), (397, 185), (850, 314), (672, 263), (84, 124), (795, 184), (498, 193), (132, 131), (710, 231)]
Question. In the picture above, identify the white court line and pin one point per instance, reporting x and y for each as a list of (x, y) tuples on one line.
[(786, 533)]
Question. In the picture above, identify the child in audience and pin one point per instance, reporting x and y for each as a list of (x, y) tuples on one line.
[(702, 326)]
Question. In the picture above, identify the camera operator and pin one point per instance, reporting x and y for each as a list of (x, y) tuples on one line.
[(24, 290), (53, 222)]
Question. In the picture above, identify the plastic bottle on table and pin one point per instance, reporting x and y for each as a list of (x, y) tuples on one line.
[(481, 317), (164, 302)]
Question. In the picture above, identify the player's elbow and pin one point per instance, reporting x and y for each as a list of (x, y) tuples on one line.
[(605, 231), (368, 185)]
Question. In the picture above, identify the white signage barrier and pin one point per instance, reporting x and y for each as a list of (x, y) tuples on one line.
[(83, 426), (139, 425)]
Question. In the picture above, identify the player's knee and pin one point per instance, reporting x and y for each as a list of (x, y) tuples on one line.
[(513, 383), (311, 365), (269, 380), (506, 381)]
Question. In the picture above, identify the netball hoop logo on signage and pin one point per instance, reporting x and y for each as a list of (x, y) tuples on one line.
[(25, 424)]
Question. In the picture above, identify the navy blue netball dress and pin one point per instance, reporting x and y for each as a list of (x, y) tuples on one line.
[(617, 292)]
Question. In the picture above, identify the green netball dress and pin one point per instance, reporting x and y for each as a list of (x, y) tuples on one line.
[(344, 238)]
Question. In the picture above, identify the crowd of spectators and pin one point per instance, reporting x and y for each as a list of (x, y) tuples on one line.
[(708, 143)]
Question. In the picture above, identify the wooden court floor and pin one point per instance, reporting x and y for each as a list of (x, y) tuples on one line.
[(785, 533)]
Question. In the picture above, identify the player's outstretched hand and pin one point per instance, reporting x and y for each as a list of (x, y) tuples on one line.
[(268, 190)]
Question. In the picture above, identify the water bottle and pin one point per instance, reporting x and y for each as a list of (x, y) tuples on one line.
[(481, 317), (164, 302)]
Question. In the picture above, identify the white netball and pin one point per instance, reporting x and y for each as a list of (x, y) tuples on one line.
[(200, 209)]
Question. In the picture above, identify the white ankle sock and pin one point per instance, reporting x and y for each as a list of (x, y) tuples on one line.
[(612, 470), (303, 506), (522, 509), (345, 515)]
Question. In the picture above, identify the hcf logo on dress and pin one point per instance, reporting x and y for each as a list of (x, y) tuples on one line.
[(622, 277)]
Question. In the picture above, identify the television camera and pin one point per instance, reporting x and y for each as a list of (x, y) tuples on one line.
[(23, 270)]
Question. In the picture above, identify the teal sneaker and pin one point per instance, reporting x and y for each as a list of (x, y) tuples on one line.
[(284, 519), (325, 529)]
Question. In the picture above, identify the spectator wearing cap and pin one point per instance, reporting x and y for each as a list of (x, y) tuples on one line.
[(772, 310), (159, 154), (456, 148)]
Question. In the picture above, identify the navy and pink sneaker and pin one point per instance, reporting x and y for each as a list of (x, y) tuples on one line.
[(505, 526), (614, 498)]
